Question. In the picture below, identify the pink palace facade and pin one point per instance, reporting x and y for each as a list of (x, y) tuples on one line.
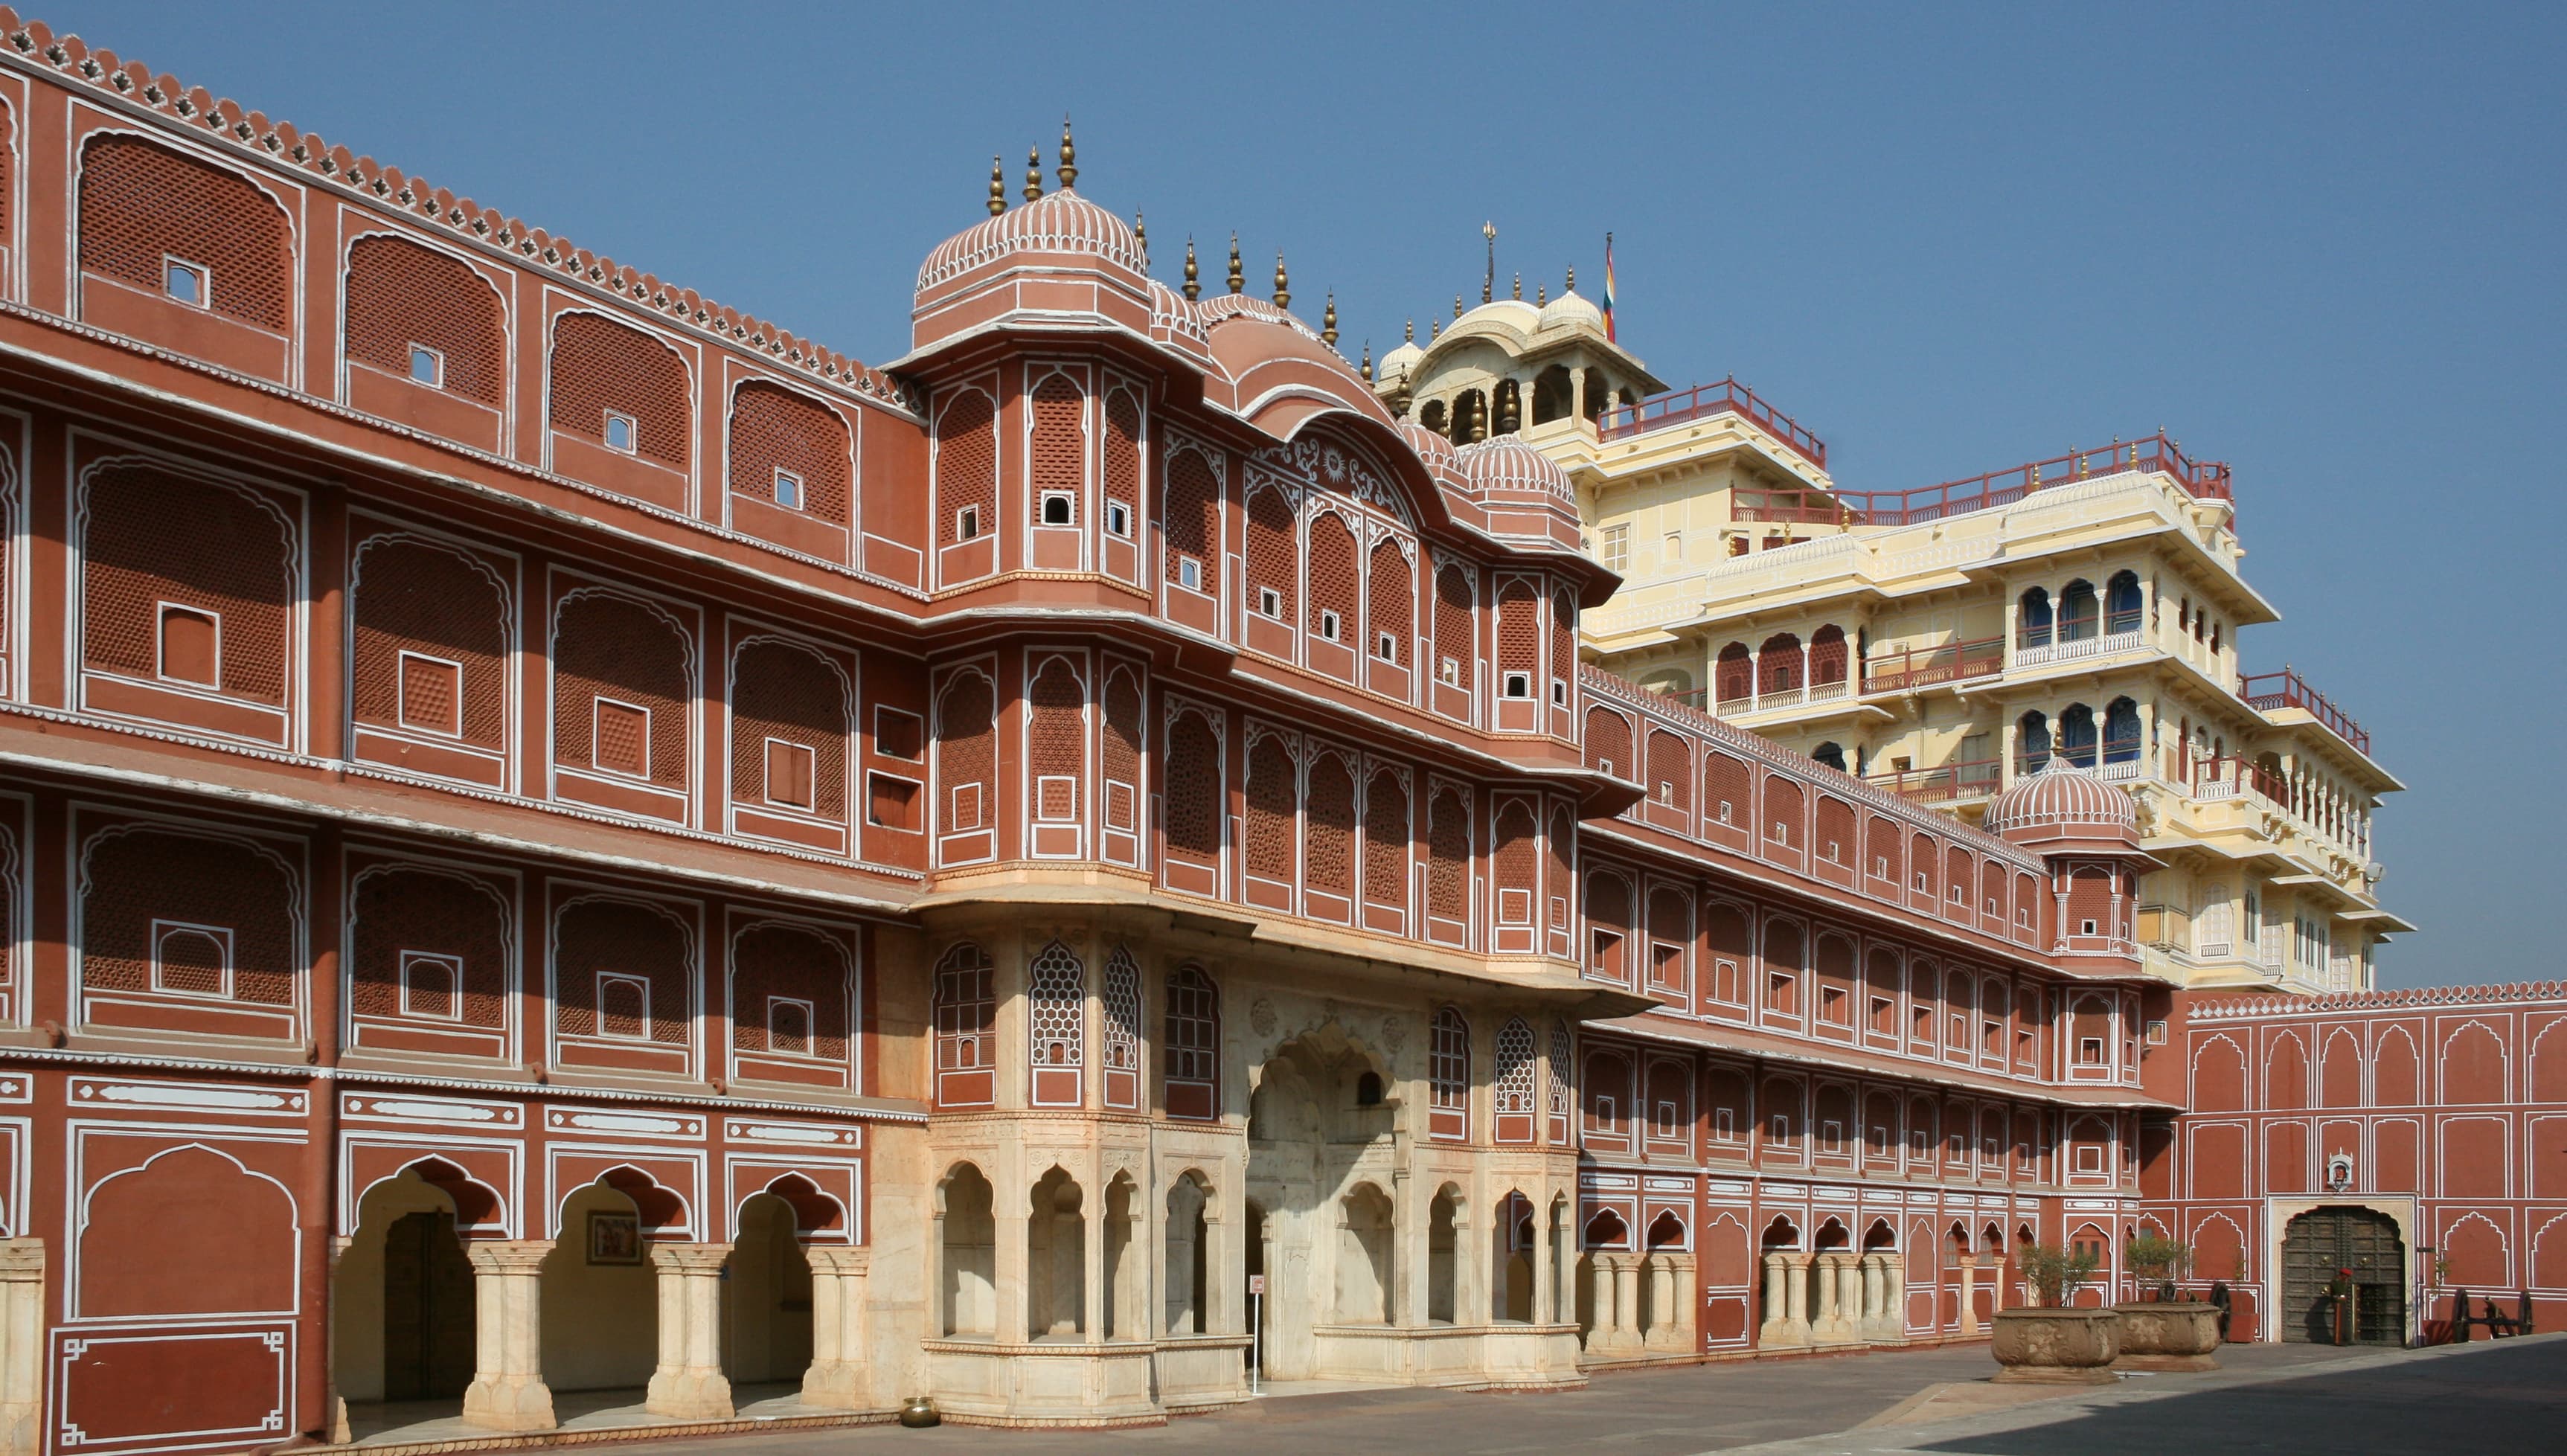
[(556, 838)]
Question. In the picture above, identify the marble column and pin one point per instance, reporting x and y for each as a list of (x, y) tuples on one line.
[(839, 1377), (1776, 1327), (22, 1347), (1626, 1301), (1893, 1268), (1661, 1331), (1830, 1326), (689, 1384), (1796, 1268), (1969, 1295), (507, 1393), (1603, 1333)]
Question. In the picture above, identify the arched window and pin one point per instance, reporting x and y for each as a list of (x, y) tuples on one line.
[(1827, 656), (965, 1015), (1734, 678), (1830, 754), (1122, 1001), (2122, 603), (1552, 393), (2035, 733), (2122, 731), (1056, 1004), (2077, 611), (1191, 1034), (1778, 665), (1448, 1076), (2077, 735), (2032, 620), (1515, 1068), (1431, 416)]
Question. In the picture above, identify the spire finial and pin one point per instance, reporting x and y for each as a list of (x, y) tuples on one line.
[(1141, 239), (1033, 173), (1573, 278), (1328, 322), (1194, 280), (1489, 280), (1479, 417), (1456, 305), (1518, 288), (1282, 284), (1366, 367), (997, 186), (1540, 293), (1068, 155), (1411, 336), (1434, 329), (1238, 280)]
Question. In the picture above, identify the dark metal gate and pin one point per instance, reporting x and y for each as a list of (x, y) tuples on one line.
[(2323, 1240)]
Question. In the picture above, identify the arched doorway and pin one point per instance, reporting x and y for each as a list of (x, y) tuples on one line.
[(766, 1297), (2361, 1243), (402, 1329)]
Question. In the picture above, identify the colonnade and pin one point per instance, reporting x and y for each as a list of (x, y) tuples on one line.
[(1642, 1303), (1836, 1296), (508, 1392)]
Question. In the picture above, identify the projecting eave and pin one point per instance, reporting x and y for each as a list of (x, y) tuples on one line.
[(2383, 921), (1766, 1046)]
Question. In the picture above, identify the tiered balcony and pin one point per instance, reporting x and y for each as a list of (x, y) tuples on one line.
[(1729, 396), (2271, 691), (2156, 455), (1905, 672), (1947, 784)]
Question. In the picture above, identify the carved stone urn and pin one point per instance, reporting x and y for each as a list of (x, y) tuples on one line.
[(2173, 1336), (2056, 1346)]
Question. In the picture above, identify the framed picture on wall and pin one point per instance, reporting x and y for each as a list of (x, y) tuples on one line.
[(614, 1237)]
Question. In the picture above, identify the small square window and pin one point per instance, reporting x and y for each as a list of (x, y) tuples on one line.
[(788, 490), (967, 523), (891, 802), (792, 769), (431, 694), (623, 1006), (2086, 927), (426, 366), (1118, 518), (621, 433), (1270, 603), (1449, 673), (432, 986), (185, 282), (1559, 693), (191, 646), (788, 1026), (1518, 685), (1330, 626), (899, 734), (2157, 1033), (1386, 647), (1189, 573), (2090, 1051), (623, 739), (1058, 508)]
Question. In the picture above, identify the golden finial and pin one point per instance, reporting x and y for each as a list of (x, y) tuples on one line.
[(1508, 395), (1194, 281), (1283, 285), (1573, 278), (1068, 155), (997, 186), (1238, 280), (1366, 368), (1328, 321), (1479, 417), (1412, 333), (1434, 329), (1540, 293), (1141, 236), (1456, 305), (1033, 173), (1518, 288)]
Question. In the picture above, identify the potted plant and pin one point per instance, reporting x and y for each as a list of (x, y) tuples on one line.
[(2053, 1343), (2164, 1334)]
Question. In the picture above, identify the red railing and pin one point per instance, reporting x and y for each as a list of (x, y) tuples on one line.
[(2206, 480), (2266, 692), (1898, 670), (2236, 773), (1967, 779), (1728, 397)]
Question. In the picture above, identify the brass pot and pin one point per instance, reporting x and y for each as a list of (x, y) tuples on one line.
[(919, 1412)]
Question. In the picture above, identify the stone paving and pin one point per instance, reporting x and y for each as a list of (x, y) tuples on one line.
[(2266, 1398)]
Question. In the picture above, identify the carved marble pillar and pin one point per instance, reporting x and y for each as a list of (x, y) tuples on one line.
[(1688, 1310), (1539, 1262), (1796, 1269), (22, 1347), (1626, 1301), (1665, 1330), (689, 1384), (1775, 1330), (507, 1393), (1604, 1334), (1969, 1295), (1830, 1325), (1893, 1268), (839, 1377), (1011, 1264), (1878, 1320)]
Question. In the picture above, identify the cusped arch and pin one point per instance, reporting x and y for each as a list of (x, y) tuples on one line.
[(223, 1238), (654, 1203)]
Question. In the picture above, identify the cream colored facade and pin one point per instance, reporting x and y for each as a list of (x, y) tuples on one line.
[(1943, 643)]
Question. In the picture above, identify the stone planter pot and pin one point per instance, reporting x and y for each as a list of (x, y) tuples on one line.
[(2168, 1337), (2056, 1346)]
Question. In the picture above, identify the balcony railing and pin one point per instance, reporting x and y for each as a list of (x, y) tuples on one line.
[(2226, 779), (2203, 479), (1798, 694), (1972, 778), (2071, 651), (2113, 760), (1899, 672), (1728, 397), (2266, 692)]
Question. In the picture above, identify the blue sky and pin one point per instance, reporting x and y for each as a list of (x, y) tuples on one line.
[(2321, 244)]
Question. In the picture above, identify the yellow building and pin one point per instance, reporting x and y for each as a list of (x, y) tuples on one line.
[(1941, 642)]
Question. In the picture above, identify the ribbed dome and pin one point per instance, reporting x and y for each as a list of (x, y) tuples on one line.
[(1570, 310), (1398, 361), (1057, 222), (1508, 463), (1432, 448), (1515, 313), (2061, 796)]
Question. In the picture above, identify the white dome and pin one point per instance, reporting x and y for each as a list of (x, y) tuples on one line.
[(1514, 313), (1570, 310), (1401, 360)]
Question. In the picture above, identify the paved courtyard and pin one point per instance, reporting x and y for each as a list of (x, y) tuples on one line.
[(2511, 1395)]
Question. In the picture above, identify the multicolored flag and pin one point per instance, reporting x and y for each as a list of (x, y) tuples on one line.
[(1609, 286)]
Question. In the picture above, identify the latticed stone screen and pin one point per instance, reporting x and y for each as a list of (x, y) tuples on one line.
[(600, 366), (1194, 786), (967, 760), (1515, 1067), (1122, 1001), (784, 691), (137, 877), (1329, 837), (967, 467), (401, 293), (408, 908), (153, 536), (1194, 519), (1272, 830), (794, 964), (1056, 1001), (424, 598), (616, 647), (773, 428), (143, 204), (1454, 628), (966, 1012), (627, 940)]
